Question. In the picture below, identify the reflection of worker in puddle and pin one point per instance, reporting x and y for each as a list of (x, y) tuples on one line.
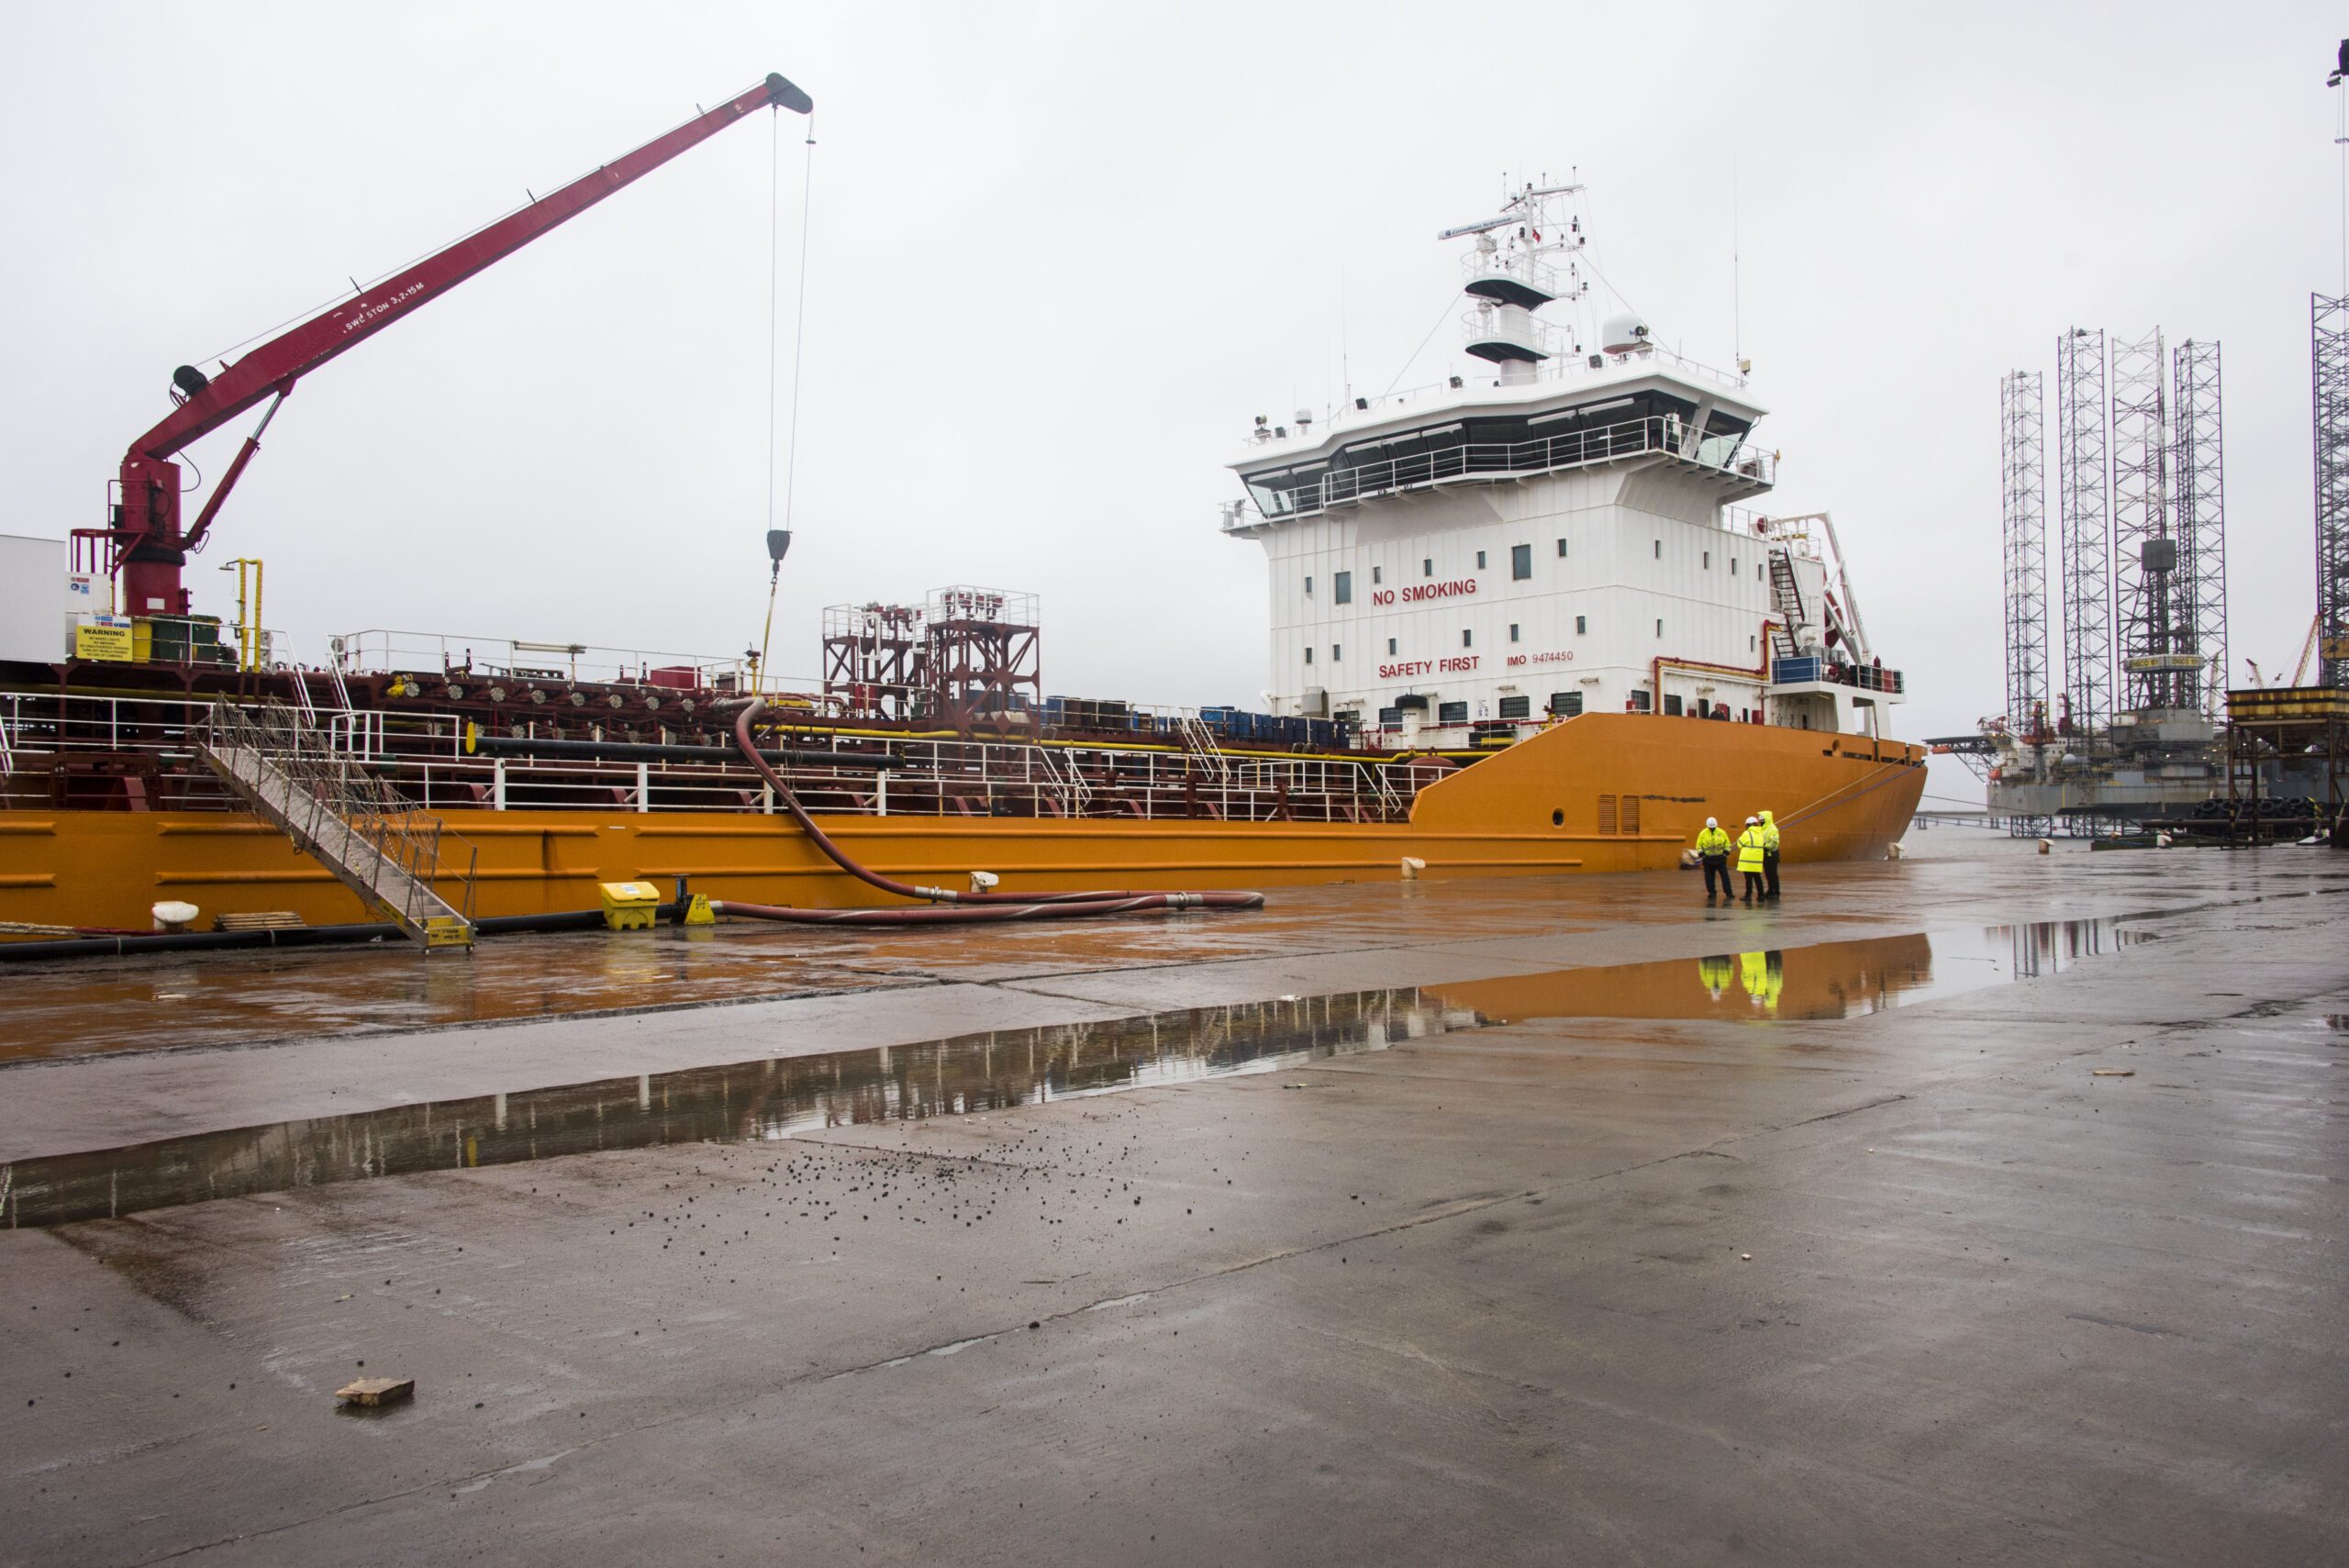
[(1764, 976), (1715, 972)]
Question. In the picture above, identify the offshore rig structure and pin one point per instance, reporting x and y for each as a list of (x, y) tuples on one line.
[(2138, 726), (2141, 724)]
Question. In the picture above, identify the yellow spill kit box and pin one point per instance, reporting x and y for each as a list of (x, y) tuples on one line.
[(630, 906)]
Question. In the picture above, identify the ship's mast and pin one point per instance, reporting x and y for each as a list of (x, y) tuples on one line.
[(1511, 273)]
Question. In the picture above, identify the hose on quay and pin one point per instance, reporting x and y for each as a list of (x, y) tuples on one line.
[(127, 943), (1019, 905), (932, 914)]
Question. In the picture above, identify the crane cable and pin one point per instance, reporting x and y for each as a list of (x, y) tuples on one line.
[(798, 349)]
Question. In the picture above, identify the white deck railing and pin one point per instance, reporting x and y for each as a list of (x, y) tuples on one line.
[(1483, 462), (422, 756)]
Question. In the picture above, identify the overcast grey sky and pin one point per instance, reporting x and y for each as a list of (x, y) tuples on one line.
[(1061, 254)]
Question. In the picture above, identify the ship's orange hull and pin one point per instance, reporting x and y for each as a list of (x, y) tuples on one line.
[(1554, 803)]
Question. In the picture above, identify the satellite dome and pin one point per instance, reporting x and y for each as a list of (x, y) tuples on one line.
[(1625, 331)]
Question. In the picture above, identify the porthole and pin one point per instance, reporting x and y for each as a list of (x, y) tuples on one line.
[(1557, 819)]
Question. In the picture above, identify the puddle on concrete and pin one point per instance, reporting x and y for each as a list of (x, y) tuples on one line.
[(1826, 979), (780, 1097), (749, 1102), (95, 1006)]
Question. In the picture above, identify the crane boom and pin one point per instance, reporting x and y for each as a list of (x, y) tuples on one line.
[(147, 546)]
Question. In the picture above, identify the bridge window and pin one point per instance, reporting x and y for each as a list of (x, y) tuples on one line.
[(1562, 550), (1480, 560), (1427, 567), (1379, 575), (1341, 588), (1520, 561), (1467, 639), (1582, 625), (1659, 550), (1708, 560), (1308, 655), (1512, 631), (1337, 651), (1565, 704), (1308, 587), (1517, 708), (1390, 645), (1452, 713)]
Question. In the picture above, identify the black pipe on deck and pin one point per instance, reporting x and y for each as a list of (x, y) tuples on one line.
[(649, 751)]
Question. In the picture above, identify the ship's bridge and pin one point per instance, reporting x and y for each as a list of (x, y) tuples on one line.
[(1646, 406)]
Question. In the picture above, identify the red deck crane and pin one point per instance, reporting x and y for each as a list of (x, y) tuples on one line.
[(146, 547)]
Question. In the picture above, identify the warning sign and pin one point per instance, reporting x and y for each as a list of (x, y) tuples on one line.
[(104, 637)]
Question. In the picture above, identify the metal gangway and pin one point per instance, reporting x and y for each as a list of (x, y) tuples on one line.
[(378, 845)]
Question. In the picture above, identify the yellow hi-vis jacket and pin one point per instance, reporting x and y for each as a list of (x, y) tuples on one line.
[(1769, 833), (1715, 972), (1711, 842), (1749, 849)]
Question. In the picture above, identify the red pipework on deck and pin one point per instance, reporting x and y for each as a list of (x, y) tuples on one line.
[(1760, 671), (148, 547)]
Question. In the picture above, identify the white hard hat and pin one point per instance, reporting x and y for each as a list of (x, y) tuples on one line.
[(1712, 822), (1754, 822)]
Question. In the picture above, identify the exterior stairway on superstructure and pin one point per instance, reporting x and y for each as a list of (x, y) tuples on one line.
[(1201, 743), (1786, 596), (349, 822)]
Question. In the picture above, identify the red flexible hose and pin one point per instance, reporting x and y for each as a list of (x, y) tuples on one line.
[(1019, 905)]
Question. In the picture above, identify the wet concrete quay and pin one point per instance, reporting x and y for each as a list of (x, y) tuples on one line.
[(1978, 1206)]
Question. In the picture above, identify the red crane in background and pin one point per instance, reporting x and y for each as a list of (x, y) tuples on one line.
[(146, 546)]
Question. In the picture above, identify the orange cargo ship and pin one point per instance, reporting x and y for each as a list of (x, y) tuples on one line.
[(1601, 792), (1522, 623)]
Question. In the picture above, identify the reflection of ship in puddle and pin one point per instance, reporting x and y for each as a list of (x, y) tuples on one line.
[(746, 1102), (1826, 979)]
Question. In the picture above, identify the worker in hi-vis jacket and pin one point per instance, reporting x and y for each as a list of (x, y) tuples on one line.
[(1749, 858), (1712, 850), (1770, 854)]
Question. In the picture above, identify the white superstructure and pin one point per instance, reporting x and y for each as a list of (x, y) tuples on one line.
[(1557, 533)]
